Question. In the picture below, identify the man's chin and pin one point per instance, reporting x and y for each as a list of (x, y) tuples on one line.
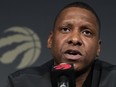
[(82, 70)]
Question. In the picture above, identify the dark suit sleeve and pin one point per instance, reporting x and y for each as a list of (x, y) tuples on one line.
[(30, 77)]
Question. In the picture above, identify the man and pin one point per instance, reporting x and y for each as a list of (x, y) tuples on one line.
[(74, 39)]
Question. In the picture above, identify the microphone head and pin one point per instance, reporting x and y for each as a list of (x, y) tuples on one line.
[(63, 75)]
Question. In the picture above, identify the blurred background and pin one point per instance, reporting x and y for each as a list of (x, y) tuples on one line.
[(26, 24)]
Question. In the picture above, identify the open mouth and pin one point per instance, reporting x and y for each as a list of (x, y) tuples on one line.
[(73, 52)]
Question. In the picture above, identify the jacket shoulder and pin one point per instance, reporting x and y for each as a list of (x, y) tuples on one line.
[(105, 65), (39, 70), (106, 74)]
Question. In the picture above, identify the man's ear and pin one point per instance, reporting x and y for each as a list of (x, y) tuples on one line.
[(49, 42), (99, 48)]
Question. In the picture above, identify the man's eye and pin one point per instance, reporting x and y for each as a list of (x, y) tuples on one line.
[(65, 30), (87, 33)]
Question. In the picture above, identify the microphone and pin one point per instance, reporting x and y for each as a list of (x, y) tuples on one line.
[(63, 75)]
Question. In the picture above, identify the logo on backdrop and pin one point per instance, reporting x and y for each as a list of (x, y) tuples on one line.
[(24, 45)]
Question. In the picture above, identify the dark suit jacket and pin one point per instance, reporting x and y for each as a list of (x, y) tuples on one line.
[(103, 75)]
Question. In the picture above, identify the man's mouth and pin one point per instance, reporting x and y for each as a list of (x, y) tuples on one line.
[(72, 54)]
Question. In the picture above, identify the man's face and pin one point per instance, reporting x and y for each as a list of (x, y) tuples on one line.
[(75, 38)]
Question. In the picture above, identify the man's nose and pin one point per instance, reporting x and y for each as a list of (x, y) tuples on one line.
[(75, 39)]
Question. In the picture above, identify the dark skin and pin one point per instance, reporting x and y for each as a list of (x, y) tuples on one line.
[(75, 39)]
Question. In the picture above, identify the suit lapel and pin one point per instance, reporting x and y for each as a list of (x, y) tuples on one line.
[(96, 74)]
